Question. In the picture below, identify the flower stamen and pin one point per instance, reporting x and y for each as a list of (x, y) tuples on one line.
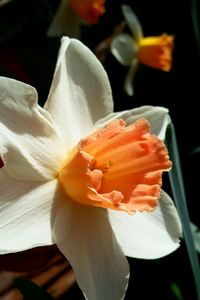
[(104, 167)]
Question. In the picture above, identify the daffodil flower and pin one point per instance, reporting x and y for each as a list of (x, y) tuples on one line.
[(75, 174), (153, 51), (72, 13)]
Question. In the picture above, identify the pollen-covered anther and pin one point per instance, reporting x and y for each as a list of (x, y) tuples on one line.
[(104, 167)]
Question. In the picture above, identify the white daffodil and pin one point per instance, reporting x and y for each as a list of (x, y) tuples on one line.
[(72, 13), (97, 196), (153, 51)]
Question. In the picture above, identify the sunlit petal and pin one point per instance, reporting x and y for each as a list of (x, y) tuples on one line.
[(148, 235), (157, 116), (25, 209), (80, 93), (100, 266), (30, 145)]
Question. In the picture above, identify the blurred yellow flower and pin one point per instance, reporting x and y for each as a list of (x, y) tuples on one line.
[(156, 51), (153, 51)]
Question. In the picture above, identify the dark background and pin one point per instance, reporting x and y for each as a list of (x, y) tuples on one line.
[(27, 54)]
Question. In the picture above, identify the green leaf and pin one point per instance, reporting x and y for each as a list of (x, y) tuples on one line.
[(195, 13), (30, 290), (176, 291), (196, 150), (177, 185)]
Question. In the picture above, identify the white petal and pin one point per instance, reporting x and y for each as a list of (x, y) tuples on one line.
[(157, 116), (128, 84), (30, 145), (124, 49), (64, 22), (80, 93), (133, 22), (25, 210), (84, 236), (3, 2), (148, 235)]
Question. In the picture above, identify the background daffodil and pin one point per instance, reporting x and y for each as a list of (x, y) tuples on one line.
[(153, 51), (36, 143)]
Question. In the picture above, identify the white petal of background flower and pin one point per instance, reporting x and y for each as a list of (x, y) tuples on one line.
[(65, 22), (132, 22), (80, 93), (30, 145), (84, 235), (148, 235), (3, 2), (124, 49), (128, 83), (157, 116), (25, 211)]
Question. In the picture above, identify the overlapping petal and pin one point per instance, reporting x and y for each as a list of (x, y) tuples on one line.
[(80, 93), (84, 235), (128, 83), (158, 118), (30, 145), (25, 210), (132, 22), (148, 235), (124, 48)]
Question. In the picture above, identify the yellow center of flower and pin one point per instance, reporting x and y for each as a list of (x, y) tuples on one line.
[(156, 51), (88, 10), (117, 167)]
